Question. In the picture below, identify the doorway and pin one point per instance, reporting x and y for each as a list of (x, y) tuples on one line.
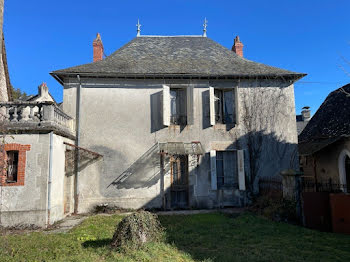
[(179, 181), (344, 170), (347, 173)]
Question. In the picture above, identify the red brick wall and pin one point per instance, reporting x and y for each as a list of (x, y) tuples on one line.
[(98, 50), (22, 149)]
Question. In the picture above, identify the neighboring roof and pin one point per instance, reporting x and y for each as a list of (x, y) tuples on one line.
[(175, 56), (34, 97), (299, 118), (332, 119), (301, 125), (330, 123), (313, 146)]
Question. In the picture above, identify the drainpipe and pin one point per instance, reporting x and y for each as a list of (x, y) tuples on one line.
[(77, 143), (50, 180)]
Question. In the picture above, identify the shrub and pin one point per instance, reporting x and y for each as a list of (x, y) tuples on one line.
[(137, 229), (275, 208)]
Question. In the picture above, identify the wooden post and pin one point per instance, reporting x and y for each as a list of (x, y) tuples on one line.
[(162, 180)]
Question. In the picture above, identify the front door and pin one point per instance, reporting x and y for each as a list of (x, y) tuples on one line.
[(179, 181)]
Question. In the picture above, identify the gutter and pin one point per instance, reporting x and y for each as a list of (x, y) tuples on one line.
[(50, 180), (77, 143), (292, 77)]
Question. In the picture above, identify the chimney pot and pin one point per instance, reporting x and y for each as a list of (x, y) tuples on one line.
[(306, 113), (97, 48), (238, 46), (43, 90)]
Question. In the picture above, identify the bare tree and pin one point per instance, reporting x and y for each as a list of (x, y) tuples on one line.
[(266, 111)]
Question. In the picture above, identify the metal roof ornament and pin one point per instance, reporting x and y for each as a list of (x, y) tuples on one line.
[(138, 28), (205, 27)]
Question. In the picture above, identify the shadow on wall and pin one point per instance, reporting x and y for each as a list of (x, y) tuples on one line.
[(144, 172), (264, 155)]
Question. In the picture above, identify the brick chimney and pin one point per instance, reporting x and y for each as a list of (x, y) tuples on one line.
[(98, 48), (238, 46), (43, 90)]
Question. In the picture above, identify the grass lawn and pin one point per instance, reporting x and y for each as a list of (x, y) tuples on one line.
[(209, 237)]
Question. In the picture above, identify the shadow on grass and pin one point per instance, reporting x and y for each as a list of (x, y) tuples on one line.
[(97, 243), (205, 237)]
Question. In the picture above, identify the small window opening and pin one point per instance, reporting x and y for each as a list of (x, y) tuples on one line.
[(12, 166), (178, 110)]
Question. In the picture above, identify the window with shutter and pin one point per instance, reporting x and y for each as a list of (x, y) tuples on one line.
[(222, 106), (178, 106), (226, 169)]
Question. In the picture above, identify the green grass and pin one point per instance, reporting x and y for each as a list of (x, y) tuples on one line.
[(210, 237)]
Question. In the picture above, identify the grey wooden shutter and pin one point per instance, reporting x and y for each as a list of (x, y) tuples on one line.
[(214, 185), (241, 173), (166, 105), (212, 105), (236, 104), (190, 116)]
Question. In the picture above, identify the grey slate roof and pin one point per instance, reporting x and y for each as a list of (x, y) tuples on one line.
[(180, 55), (330, 123)]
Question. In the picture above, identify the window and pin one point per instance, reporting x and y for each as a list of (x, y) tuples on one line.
[(226, 169), (15, 165), (178, 114), (12, 166), (178, 105), (224, 106)]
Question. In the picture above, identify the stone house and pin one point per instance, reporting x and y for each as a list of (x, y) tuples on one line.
[(324, 144), (177, 120), (164, 122)]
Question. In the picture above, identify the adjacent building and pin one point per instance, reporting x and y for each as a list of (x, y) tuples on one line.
[(324, 144)]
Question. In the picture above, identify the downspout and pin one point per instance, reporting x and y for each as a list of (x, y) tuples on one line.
[(50, 180), (77, 143)]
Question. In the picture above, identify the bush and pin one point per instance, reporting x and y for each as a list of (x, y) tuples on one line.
[(277, 209), (137, 229)]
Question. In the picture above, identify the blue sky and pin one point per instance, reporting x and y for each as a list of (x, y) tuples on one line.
[(308, 36)]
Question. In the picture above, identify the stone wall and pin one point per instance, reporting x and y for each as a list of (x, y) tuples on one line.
[(27, 203), (122, 120)]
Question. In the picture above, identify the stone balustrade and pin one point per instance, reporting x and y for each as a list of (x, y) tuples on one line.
[(35, 116)]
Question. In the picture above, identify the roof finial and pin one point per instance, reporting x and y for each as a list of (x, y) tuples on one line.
[(138, 28), (205, 27)]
